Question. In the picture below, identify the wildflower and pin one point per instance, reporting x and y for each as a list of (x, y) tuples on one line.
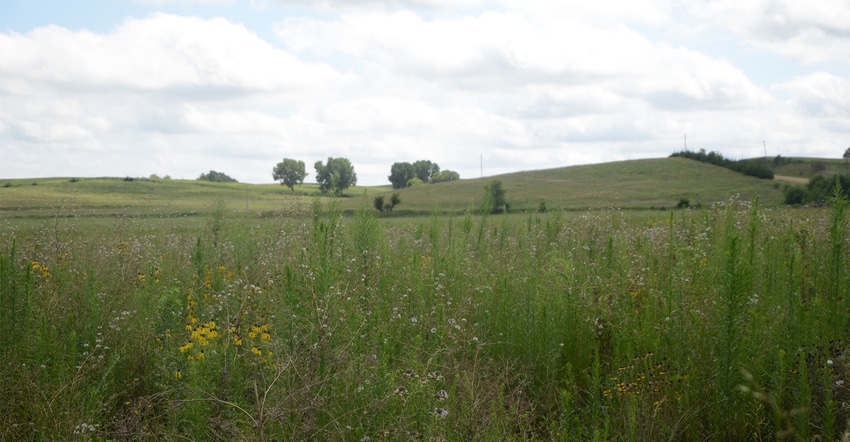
[(433, 330), (200, 356), (442, 395), (178, 374), (441, 412), (256, 351)]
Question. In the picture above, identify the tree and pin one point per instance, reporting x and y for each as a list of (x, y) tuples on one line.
[(217, 177), (445, 175), (425, 169), (400, 174), (337, 175), (379, 203), (847, 154), (494, 196), (395, 200), (289, 172)]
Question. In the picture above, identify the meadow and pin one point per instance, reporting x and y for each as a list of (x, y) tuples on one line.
[(726, 322)]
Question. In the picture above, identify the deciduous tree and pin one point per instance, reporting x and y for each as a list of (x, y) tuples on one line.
[(290, 172), (335, 176)]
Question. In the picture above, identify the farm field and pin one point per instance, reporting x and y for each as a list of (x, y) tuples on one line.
[(295, 322)]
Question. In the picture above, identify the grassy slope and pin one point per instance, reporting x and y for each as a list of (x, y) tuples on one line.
[(808, 167), (628, 184), (48, 197)]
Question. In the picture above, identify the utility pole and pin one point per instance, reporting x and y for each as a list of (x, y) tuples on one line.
[(765, 148)]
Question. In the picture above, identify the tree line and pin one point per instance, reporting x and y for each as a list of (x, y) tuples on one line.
[(753, 167), (337, 174)]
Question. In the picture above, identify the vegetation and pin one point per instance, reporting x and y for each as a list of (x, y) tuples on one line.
[(638, 184), (758, 168), (444, 176), (817, 190), (216, 177), (290, 172), (724, 323), (404, 174), (335, 176), (494, 197)]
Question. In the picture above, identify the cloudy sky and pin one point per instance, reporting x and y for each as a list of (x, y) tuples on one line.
[(180, 87)]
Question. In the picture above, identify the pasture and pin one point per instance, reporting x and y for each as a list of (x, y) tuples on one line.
[(186, 320)]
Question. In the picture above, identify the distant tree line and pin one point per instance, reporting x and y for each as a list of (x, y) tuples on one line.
[(337, 174), (406, 174), (216, 177), (758, 168), (817, 190)]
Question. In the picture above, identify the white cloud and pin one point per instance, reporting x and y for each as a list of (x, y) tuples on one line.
[(157, 53), (813, 31), (528, 85)]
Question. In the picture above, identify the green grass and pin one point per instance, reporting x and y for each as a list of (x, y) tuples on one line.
[(641, 184), (98, 197), (168, 310), (809, 167), (723, 323)]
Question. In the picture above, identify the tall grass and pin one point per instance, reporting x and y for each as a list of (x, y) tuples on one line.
[(716, 324)]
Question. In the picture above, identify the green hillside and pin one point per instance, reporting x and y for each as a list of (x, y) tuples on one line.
[(808, 167), (653, 183)]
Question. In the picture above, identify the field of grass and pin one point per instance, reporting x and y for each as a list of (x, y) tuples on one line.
[(640, 184), (186, 310), (808, 167), (721, 323)]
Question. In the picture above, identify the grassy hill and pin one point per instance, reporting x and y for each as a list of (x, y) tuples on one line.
[(644, 184), (808, 167)]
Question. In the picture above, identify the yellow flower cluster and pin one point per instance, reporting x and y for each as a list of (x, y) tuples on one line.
[(41, 270), (644, 376), (199, 334)]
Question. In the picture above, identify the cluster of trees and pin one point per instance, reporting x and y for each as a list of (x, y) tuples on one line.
[(755, 167), (406, 174), (337, 174), (216, 177), (817, 190), (381, 204)]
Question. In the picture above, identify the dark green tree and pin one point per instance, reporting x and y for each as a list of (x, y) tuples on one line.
[(847, 154), (425, 169), (290, 172), (494, 196), (445, 175), (400, 174), (395, 200), (217, 177), (379, 203), (335, 176)]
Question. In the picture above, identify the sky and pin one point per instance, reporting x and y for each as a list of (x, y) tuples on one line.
[(482, 87)]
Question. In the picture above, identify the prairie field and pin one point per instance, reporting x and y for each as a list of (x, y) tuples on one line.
[(727, 322)]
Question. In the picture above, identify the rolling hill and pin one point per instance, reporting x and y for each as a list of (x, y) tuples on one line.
[(635, 184)]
